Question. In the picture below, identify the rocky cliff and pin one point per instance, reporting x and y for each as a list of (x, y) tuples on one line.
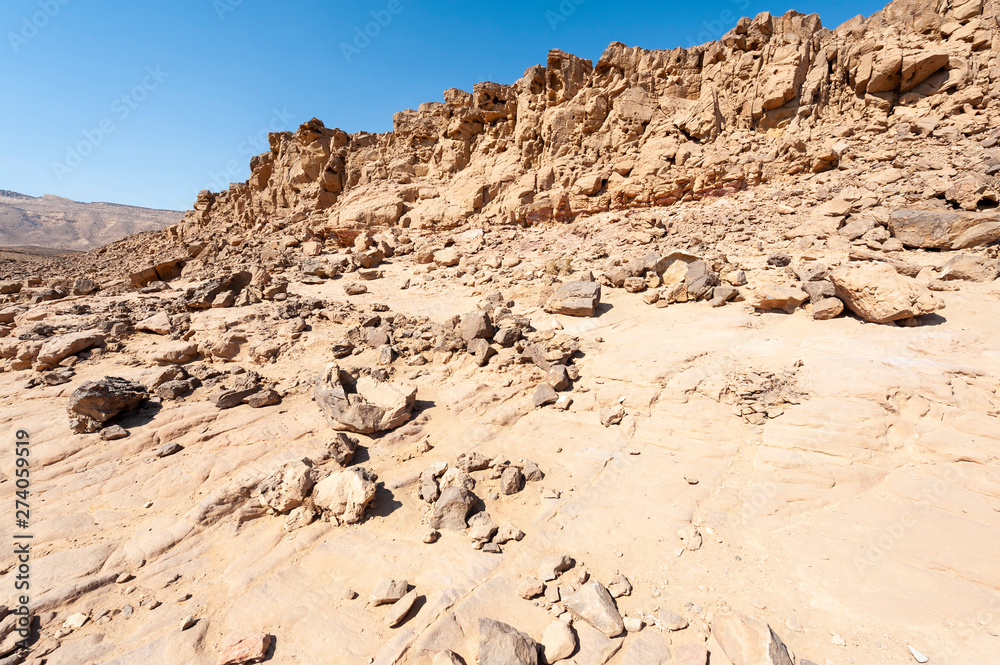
[(774, 97)]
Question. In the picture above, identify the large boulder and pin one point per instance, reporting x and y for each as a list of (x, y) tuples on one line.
[(500, 644), (64, 346), (877, 293), (575, 299), (344, 496), (363, 405), (96, 402), (749, 642), (944, 229)]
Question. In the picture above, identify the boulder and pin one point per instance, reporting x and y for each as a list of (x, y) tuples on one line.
[(877, 293), (476, 325), (944, 229), (970, 268), (748, 642), (96, 402), (55, 350), (511, 480), (594, 604), (158, 323), (500, 644), (288, 487), (575, 299), (773, 296), (363, 405), (452, 508), (345, 495), (558, 641), (175, 352), (827, 308)]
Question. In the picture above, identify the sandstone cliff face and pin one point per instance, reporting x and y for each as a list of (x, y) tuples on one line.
[(640, 128)]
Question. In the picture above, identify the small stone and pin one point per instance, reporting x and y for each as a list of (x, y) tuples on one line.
[(670, 620), (552, 594), (511, 481), (633, 624), (388, 591), (532, 473), (558, 377), (619, 586), (114, 433), (123, 578), (185, 624), (508, 532), (838, 640), (491, 548), (917, 656), (551, 566), (691, 538), (431, 536), (558, 641), (76, 621), (530, 588), (544, 395), (168, 449)]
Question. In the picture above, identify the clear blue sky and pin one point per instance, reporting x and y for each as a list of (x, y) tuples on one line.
[(146, 103)]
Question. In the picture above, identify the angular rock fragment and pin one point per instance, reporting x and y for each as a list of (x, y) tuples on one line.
[(363, 405), (401, 609), (346, 494), (748, 642), (452, 509), (388, 591), (511, 480), (772, 296), (501, 644), (594, 604), (288, 487), (63, 346), (575, 299), (96, 402), (877, 293), (248, 649)]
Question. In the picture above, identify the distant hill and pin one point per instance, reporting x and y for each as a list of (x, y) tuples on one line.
[(57, 223)]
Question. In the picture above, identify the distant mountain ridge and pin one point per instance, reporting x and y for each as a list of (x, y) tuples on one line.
[(58, 223)]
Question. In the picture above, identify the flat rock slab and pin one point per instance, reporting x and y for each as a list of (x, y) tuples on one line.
[(944, 229)]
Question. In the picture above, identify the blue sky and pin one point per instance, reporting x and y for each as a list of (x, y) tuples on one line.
[(147, 103)]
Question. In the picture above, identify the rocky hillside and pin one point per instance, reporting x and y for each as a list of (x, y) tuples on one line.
[(774, 98), (683, 357), (53, 222)]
